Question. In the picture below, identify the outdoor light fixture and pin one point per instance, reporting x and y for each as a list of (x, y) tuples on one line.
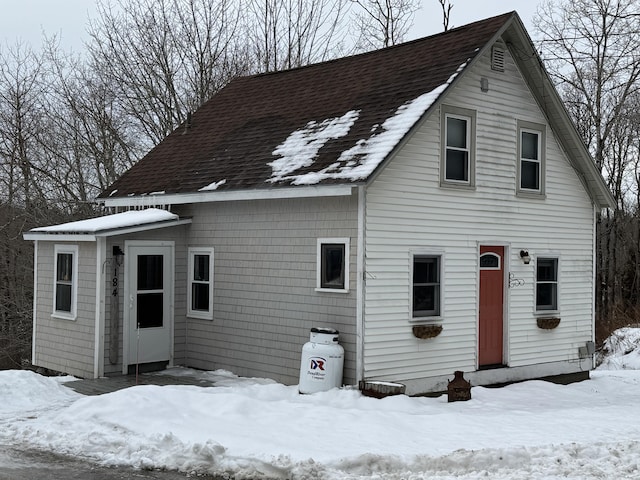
[(118, 255), (524, 255), (484, 84)]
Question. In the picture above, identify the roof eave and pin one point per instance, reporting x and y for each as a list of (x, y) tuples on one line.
[(334, 190), (93, 236)]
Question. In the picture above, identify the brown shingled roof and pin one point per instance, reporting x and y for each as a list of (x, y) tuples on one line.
[(232, 137)]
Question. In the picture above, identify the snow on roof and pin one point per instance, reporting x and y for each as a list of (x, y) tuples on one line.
[(302, 146), (111, 222), (213, 186), (359, 161)]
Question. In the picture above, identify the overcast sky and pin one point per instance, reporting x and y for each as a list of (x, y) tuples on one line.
[(26, 20)]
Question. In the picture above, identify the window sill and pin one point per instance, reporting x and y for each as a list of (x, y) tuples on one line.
[(546, 313), (200, 316), (332, 290), (63, 316), (426, 320), (457, 185), (531, 194)]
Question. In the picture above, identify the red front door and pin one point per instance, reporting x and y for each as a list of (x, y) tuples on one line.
[(490, 333)]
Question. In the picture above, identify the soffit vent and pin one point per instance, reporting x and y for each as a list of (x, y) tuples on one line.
[(497, 59)]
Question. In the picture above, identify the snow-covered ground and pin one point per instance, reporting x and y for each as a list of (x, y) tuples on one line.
[(254, 428)]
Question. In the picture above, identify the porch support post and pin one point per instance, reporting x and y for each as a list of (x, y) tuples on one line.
[(98, 352)]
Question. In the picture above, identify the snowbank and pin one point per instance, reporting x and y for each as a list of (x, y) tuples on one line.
[(258, 429)]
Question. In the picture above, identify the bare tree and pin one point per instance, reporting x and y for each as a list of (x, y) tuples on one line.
[(446, 13), (164, 58), (89, 139), (290, 33), (20, 121), (384, 22), (591, 49), (21, 196)]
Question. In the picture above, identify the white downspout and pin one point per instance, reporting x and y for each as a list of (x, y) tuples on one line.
[(98, 351), (594, 249), (360, 285)]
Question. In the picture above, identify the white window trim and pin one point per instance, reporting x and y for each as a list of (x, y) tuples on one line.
[(540, 130), (73, 250), (429, 253), (465, 114), (321, 241), (544, 313), (192, 252)]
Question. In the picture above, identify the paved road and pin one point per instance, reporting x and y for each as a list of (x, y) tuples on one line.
[(18, 464)]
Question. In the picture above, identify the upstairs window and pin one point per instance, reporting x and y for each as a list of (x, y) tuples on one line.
[(200, 288), (458, 140), (65, 281), (546, 284), (332, 264), (531, 164)]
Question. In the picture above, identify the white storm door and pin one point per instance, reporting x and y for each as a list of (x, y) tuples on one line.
[(149, 299)]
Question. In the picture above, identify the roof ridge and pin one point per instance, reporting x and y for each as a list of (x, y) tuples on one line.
[(397, 46)]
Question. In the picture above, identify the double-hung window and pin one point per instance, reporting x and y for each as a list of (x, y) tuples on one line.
[(426, 286), (546, 284), (200, 288), (332, 265), (65, 281), (531, 158), (458, 146)]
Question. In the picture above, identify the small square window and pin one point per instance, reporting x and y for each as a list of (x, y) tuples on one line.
[(200, 288), (546, 284), (333, 265), (426, 286)]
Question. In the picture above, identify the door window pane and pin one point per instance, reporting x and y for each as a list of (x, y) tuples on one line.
[(149, 272), (150, 310)]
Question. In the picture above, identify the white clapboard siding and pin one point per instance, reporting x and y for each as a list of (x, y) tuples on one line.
[(407, 210)]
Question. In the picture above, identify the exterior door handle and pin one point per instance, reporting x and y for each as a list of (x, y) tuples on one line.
[(130, 301)]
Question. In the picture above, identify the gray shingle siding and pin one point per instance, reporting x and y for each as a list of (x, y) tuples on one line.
[(265, 300), (66, 345)]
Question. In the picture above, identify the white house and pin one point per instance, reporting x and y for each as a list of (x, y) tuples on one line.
[(432, 201)]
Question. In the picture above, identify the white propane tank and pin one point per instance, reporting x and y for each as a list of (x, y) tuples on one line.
[(322, 361)]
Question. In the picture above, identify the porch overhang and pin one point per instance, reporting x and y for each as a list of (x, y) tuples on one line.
[(107, 226)]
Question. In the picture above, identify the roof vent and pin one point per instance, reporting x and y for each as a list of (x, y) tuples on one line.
[(497, 59)]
